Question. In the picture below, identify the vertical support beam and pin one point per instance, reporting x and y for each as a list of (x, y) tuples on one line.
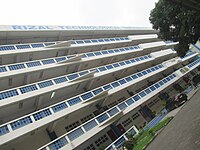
[(51, 127), (38, 102), (27, 78), (17, 58)]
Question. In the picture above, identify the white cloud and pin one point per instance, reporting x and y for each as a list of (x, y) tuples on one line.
[(77, 12)]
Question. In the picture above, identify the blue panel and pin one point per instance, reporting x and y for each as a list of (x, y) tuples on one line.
[(102, 118), (80, 42), (23, 46), (45, 84), (110, 51), (133, 60), (104, 52), (116, 65), (97, 91), (83, 73), (148, 91), (157, 85), (5, 48), (48, 44), (98, 53), (127, 48), (59, 107), (116, 50), (56, 145), (42, 114), (119, 142), (161, 83), (100, 40), (94, 41), (28, 88), (139, 74), (60, 80), (37, 45), (130, 101), (88, 126), (127, 62), (102, 68), (49, 61), (106, 87), (122, 106), (134, 76), (122, 63), (136, 97), (3, 69), (123, 49), (74, 101), (152, 88), (60, 59), (144, 72), (142, 94), (87, 41), (128, 79), (90, 54), (73, 76), (3, 130), (75, 134), (109, 67), (87, 96), (122, 81), (113, 111), (16, 67), (8, 94), (33, 64), (112, 39), (115, 84), (20, 123)]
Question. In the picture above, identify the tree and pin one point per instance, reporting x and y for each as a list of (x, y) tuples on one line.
[(176, 23)]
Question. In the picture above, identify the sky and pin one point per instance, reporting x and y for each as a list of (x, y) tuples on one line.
[(134, 13)]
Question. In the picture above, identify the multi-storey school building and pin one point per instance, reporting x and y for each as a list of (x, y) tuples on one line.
[(84, 87)]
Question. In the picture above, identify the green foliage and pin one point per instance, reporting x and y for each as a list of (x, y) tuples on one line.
[(176, 23), (151, 132)]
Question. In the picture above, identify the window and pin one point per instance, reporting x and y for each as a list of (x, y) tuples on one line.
[(109, 67), (104, 52), (122, 63), (126, 122), (90, 147), (133, 60), (85, 119), (90, 54), (116, 65), (98, 53), (72, 126), (106, 87), (110, 51), (80, 42), (142, 94), (134, 76), (136, 115), (101, 140), (152, 88), (122, 81)]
